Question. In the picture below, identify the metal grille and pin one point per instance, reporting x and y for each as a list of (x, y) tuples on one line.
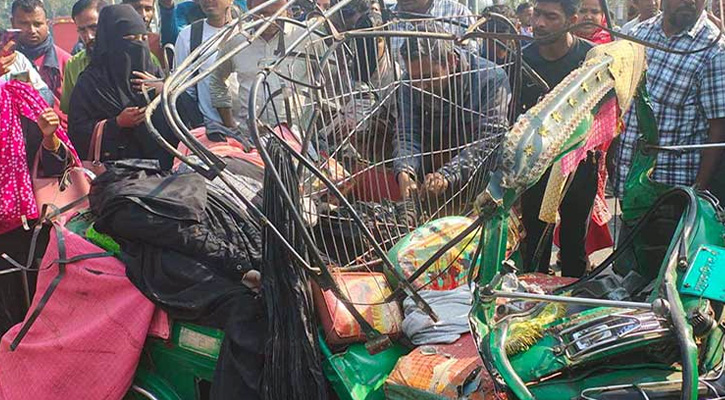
[(363, 106)]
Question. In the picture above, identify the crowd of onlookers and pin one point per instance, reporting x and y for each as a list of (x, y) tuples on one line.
[(100, 93)]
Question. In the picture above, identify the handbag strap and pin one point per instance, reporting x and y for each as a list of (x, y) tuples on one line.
[(94, 151), (69, 161), (48, 292), (36, 163)]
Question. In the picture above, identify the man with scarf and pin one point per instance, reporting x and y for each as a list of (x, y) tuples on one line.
[(36, 43), (85, 16), (450, 99)]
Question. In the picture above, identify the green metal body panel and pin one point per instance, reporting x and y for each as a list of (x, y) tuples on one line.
[(153, 384), (356, 375), (640, 190), (570, 389), (704, 278), (181, 364)]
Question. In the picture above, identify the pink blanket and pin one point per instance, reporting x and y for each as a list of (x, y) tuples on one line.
[(87, 341)]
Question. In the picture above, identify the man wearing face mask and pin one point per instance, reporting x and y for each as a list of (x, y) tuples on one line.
[(85, 16), (553, 58), (687, 93), (450, 100)]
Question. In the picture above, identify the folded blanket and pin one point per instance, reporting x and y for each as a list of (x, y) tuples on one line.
[(452, 308)]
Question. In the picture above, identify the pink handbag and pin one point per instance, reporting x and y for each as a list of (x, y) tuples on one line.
[(72, 186)]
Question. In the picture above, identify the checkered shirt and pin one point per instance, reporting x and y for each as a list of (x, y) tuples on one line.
[(685, 91)]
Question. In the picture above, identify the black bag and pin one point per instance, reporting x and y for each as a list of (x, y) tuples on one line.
[(343, 239)]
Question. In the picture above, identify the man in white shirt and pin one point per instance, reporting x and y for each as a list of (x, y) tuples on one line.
[(647, 10), (218, 15), (261, 53)]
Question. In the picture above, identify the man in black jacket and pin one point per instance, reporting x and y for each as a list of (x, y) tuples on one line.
[(553, 58)]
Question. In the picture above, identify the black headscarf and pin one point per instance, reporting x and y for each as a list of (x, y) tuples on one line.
[(117, 57)]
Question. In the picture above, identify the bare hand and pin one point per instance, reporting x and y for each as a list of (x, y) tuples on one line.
[(48, 122), (145, 79), (253, 280), (407, 184), (130, 117), (6, 61), (435, 183)]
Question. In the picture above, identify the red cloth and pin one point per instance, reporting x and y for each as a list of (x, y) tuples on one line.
[(548, 283), (232, 148), (375, 184), (604, 128), (160, 325), (598, 237), (87, 341), (16, 189), (600, 36)]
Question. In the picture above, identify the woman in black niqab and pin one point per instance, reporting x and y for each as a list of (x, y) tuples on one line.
[(104, 90), (118, 56)]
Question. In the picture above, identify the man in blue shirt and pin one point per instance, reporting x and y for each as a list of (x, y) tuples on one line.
[(452, 115), (174, 17)]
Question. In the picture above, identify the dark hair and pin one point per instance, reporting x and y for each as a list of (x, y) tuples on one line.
[(83, 5), (570, 7), (356, 6), (27, 6), (523, 7), (502, 9), (437, 50)]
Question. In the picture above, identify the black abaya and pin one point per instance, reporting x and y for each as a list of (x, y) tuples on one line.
[(104, 90)]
